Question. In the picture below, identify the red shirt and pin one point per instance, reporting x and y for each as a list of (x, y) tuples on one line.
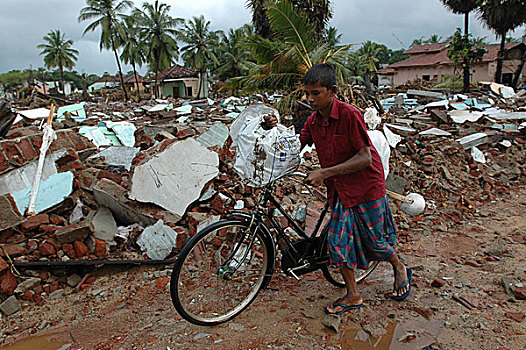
[(338, 140)]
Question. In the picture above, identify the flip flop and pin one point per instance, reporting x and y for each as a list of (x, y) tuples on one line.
[(345, 308), (406, 283)]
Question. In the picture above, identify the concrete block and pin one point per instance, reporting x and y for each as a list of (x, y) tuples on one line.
[(175, 178), (104, 226), (9, 214), (75, 232), (10, 306)]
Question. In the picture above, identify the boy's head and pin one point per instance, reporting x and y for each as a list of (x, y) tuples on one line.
[(321, 73), (319, 86)]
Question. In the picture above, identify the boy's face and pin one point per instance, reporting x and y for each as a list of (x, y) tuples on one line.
[(319, 97)]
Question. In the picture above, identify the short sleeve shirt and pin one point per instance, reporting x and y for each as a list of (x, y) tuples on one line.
[(337, 140)]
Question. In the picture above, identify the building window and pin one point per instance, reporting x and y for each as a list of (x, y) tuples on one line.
[(435, 78), (189, 91), (426, 77)]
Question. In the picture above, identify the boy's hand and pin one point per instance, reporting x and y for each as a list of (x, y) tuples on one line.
[(315, 177), (270, 120)]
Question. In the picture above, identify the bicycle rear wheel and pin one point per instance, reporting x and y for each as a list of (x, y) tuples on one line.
[(332, 274), (219, 273)]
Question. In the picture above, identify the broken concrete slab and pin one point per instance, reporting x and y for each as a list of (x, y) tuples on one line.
[(9, 214), (74, 232), (74, 111), (10, 306), (124, 131), (50, 193), (463, 116), (21, 178), (435, 132), (118, 155), (111, 195), (174, 178), (424, 93), (104, 226), (472, 140), (157, 241), (37, 113), (215, 136)]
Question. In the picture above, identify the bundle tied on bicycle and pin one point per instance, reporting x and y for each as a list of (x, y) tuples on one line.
[(263, 155)]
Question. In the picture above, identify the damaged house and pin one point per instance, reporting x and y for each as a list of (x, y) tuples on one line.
[(430, 63)]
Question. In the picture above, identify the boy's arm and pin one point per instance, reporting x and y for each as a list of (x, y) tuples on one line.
[(360, 160)]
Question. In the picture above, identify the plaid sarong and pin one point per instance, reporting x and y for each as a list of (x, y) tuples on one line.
[(361, 234)]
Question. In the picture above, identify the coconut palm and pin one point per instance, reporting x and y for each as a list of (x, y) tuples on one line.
[(463, 7), (199, 49), (158, 31), (368, 53), (58, 52), (234, 58), (318, 11), (133, 51), (502, 16), (282, 62), (107, 15), (332, 37)]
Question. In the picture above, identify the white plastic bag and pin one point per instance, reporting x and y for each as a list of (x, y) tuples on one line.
[(265, 155), (379, 142), (250, 113)]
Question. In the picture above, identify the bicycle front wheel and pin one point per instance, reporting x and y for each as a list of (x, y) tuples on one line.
[(331, 273), (219, 272)]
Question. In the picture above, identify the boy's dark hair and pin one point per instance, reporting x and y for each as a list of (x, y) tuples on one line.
[(321, 73)]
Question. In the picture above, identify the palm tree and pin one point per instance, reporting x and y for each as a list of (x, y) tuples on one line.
[(502, 16), (332, 37), (369, 52), (107, 14), (281, 63), (199, 49), (463, 7), (318, 11), (433, 39), (58, 52), (158, 31), (133, 49), (234, 58)]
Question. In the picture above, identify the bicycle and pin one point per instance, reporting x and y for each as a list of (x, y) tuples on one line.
[(221, 269)]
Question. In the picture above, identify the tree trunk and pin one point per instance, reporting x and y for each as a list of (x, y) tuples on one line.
[(62, 81), (367, 82), (136, 82), (518, 72), (466, 76), (120, 70), (199, 84), (84, 92), (155, 92), (500, 59), (466, 23)]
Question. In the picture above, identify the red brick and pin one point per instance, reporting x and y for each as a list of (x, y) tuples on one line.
[(520, 293), (438, 283), (79, 142), (27, 149), (3, 265), (4, 165), (8, 283), (28, 295), (80, 248), (100, 248), (31, 245), (56, 220), (35, 221), (12, 152), (161, 282), (36, 141), (70, 253), (48, 228), (180, 241), (104, 174), (66, 246), (62, 142), (37, 298), (13, 250), (39, 289), (184, 133), (43, 275), (45, 248)]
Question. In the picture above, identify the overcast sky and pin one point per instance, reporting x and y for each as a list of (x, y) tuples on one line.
[(23, 24)]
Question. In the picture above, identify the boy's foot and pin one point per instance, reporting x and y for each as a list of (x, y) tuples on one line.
[(401, 291), (400, 276), (341, 305)]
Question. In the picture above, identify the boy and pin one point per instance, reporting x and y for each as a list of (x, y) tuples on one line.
[(361, 226)]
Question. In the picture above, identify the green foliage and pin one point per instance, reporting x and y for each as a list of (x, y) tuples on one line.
[(57, 50), (233, 56), (282, 61), (463, 49)]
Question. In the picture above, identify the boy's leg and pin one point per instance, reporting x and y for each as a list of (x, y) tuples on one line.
[(400, 274), (352, 297)]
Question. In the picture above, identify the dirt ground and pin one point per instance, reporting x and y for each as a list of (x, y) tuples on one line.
[(479, 263)]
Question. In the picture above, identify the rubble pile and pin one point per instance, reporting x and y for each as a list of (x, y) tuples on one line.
[(133, 182)]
